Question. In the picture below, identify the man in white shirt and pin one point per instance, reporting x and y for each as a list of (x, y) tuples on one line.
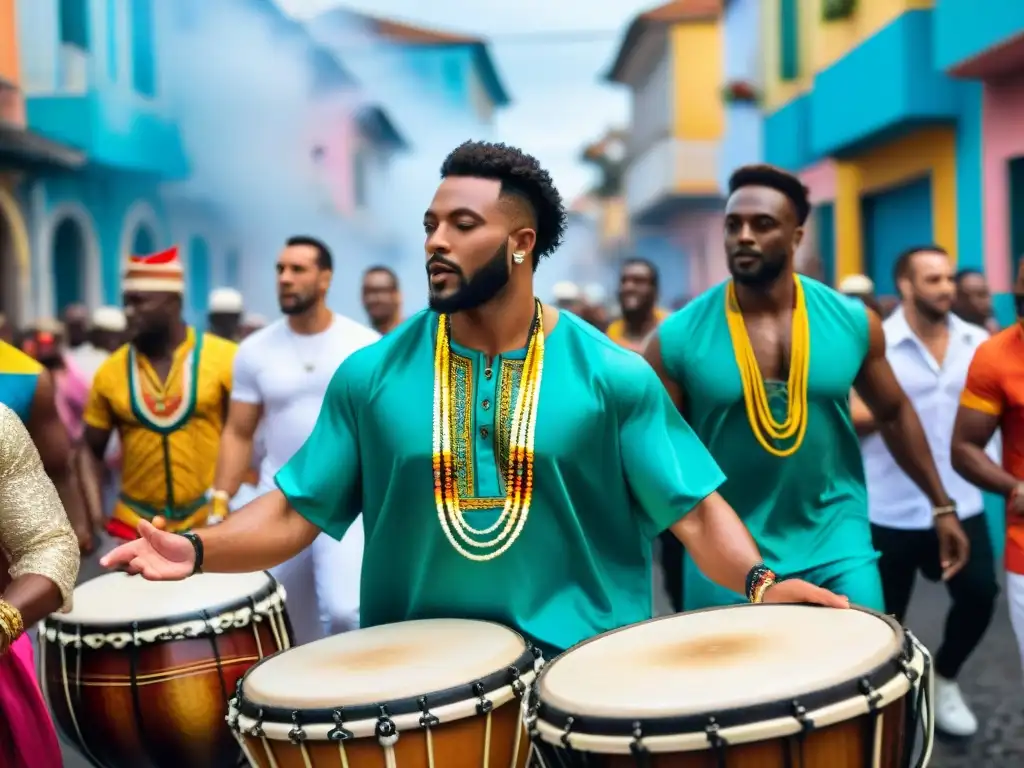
[(281, 374), (930, 350)]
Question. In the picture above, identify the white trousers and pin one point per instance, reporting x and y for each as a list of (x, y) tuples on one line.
[(1015, 602), (322, 585)]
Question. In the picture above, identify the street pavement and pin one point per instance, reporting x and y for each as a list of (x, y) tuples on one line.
[(992, 683)]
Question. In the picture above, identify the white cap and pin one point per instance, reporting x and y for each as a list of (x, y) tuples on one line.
[(109, 319), (566, 291), (857, 285), (226, 300)]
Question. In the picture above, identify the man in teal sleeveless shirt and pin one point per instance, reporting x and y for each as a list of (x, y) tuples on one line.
[(511, 463), (762, 367)]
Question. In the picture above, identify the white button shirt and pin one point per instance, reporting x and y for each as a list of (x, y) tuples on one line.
[(934, 390)]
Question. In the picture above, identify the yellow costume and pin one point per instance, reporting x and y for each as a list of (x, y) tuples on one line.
[(617, 332), (170, 431)]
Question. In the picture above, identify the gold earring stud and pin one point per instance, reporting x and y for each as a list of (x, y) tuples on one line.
[(518, 257)]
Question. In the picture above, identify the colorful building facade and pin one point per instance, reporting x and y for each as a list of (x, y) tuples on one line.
[(900, 116), (90, 77)]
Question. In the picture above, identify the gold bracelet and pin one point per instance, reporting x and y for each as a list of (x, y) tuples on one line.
[(11, 621), (762, 588)]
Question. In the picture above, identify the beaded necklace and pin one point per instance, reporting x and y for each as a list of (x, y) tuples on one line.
[(755, 398), (519, 472)]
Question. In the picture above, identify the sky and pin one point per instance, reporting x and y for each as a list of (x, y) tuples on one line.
[(560, 101)]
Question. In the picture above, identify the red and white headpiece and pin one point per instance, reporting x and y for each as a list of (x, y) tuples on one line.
[(157, 273)]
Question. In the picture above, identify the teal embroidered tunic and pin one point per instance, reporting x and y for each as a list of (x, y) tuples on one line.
[(614, 466)]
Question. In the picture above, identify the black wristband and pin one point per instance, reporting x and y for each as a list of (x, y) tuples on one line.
[(754, 577), (197, 547)]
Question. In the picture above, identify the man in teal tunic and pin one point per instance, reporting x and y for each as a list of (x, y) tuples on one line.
[(511, 463), (762, 367)]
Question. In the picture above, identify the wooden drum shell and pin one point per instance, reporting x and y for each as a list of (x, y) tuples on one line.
[(159, 703)]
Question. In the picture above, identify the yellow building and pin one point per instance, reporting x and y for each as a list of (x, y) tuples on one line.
[(854, 101)]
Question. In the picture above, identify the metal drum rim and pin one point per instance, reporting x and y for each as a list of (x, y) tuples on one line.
[(469, 691), (54, 622), (672, 725)]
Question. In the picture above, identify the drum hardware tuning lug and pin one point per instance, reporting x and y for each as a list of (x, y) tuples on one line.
[(636, 747), (800, 715), (338, 732), (908, 671), (257, 730), (567, 732), (296, 735), (386, 730), (869, 692), (427, 720), (518, 686), (713, 731), (483, 705)]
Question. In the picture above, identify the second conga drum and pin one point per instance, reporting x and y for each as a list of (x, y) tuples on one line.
[(139, 673), (421, 694), (756, 686)]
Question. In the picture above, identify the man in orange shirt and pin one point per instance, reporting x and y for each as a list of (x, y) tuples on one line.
[(993, 398)]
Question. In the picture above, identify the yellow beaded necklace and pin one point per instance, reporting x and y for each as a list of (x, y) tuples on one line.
[(755, 398), (519, 473)]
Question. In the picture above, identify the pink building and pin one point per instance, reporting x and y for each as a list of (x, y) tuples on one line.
[(1003, 178)]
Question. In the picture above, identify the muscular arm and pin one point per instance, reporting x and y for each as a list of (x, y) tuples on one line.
[(720, 545), (863, 419), (54, 446), (262, 534), (896, 419), (235, 456), (971, 433)]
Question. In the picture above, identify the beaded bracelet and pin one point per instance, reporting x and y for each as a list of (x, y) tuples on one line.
[(759, 578)]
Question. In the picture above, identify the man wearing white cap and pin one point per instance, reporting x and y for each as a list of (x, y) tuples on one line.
[(106, 331), (280, 379), (166, 395), (225, 318)]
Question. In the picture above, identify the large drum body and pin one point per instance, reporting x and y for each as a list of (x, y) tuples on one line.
[(757, 686), (139, 673), (420, 694)]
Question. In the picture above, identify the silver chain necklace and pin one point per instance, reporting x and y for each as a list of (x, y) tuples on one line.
[(309, 366)]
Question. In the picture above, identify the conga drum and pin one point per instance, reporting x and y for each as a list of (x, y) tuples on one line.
[(420, 694), (139, 673), (756, 686)]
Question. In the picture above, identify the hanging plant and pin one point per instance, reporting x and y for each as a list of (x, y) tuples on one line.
[(740, 92), (837, 10)]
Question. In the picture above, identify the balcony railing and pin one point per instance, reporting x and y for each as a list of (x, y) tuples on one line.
[(671, 168)]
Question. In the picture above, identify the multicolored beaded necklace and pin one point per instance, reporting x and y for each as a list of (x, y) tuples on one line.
[(519, 473)]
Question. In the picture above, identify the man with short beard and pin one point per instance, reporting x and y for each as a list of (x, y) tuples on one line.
[(762, 367), (930, 350), (973, 301), (487, 493), (166, 395), (281, 376), (638, 301)]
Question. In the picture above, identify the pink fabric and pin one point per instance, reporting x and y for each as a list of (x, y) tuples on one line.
[(72, 393), (27, 735)]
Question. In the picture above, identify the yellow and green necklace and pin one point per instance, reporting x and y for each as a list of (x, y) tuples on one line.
[(473, 543), (762, 423)]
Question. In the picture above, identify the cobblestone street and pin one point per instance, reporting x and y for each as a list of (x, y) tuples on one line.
[(992, 683)]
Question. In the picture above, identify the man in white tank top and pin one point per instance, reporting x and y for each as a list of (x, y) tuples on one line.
[(280, 377)]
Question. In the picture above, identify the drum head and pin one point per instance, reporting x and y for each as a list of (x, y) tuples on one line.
[(717, 660), (117, 598), (382, 664)]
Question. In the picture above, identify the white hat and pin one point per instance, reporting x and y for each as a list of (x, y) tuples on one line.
[(226, 300), (566, 291), (108, 319), (857, 285)]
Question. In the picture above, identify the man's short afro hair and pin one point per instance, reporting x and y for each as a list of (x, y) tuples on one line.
[(520, 174), (775, 178)]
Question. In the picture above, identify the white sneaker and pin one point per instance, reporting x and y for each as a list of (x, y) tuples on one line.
[(952, 715)]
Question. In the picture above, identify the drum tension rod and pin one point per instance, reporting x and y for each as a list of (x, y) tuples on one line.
[(518, 687), (636, 747), (297, 734), (800, 715), (427, 720), (386, 731), (869, 692), (257, 729), (483, 705), (338, 732)]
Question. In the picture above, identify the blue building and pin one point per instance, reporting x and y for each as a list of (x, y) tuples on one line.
[(741, 141), (91, 78)]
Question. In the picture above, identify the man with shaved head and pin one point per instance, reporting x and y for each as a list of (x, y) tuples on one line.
[(762, 366)]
